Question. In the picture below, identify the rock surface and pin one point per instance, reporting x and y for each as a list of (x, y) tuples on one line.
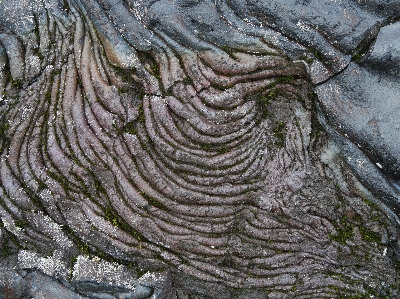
[(199, 149)]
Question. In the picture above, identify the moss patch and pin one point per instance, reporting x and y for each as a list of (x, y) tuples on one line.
[(280, 133), (369, 235), (344, 231)]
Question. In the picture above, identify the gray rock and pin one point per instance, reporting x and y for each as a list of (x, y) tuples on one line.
[(12, 285), (93, 287), (105, 291), (362, 105), (99, 295), (384, 59), (44, 287)]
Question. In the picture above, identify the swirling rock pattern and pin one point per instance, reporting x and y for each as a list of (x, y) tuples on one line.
[(180, 139)]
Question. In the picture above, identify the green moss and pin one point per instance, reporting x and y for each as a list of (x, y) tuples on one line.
[(10, 244), (65, 183), (263, 101), (344, 231), (372, 205), (156, 70), (65, 7), (130, 128), (222, 150), (356, 57), (272, 95), (207, 147), (317, 130), (147, 59), (316, 54), (83, 247), (111, 216), (21, 224), (369, 235), (72, 261), (100, 189), (124, 74), (16, 83), (235, 230), (4, 139), (280, 133), (5, 250), (366, 44), (285, 80), (37, 52), (357, 218), (188, 80), (307, 59), (141, 117), (47, 96), (79, 81), (122, 90), (153, 202)]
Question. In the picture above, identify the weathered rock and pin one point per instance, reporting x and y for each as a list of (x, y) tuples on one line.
[(12, 285), (41, 287), (157, 149), (384, 58), (362, 105)]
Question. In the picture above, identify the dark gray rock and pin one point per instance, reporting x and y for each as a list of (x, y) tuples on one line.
[(12, 285), (362, 104), (92, 287), (34, 284), (102, 291), (43, 287), (384, 8), (384, 59)]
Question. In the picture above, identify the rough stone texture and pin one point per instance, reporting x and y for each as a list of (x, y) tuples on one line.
[(36, 285), (177, 149), (362, 104)]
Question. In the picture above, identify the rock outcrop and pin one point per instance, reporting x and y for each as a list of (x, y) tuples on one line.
[(198, 149)]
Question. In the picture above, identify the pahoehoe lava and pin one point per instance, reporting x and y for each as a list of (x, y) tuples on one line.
[(183, 137)]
